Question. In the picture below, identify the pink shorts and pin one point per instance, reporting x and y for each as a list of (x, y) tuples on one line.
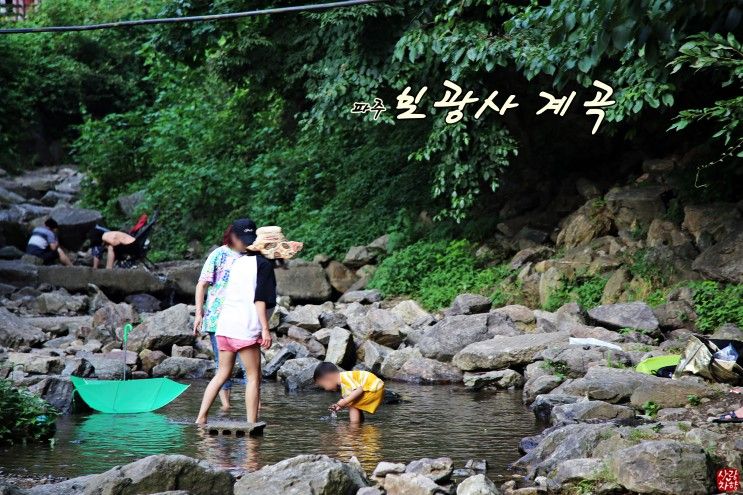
[(229, 344)]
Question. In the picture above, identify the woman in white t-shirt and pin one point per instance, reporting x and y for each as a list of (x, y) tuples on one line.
[(242, 320)]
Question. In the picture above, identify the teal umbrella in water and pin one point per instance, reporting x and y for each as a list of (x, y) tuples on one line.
[(122, 396)]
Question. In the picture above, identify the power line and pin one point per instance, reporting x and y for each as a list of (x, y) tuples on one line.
[(197, 18)]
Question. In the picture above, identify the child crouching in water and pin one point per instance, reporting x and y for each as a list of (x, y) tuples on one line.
[(361, 391)]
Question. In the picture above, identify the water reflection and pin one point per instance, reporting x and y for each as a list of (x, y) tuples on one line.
[(432, 422), (361, 440)]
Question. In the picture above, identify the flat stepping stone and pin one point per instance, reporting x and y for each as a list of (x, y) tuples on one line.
[(235, 428)]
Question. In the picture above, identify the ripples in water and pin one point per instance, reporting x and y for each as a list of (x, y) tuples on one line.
[(433, 421)]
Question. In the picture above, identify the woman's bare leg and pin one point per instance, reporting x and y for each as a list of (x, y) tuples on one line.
[(355, 415), (251, 359), (226, 362), (224, 397)]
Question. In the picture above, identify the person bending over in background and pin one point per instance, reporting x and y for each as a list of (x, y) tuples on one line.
[(44, 244), (361, 391), (113, 241)]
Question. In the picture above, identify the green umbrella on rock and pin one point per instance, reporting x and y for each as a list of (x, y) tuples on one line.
[(128, 396)]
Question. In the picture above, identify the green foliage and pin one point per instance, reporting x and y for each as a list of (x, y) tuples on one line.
[(586, 290), (724, 55), (650, 408), (49, 80), (557, 368), (644, 265), (435, 273), (24, 416), (251, 117), (693, 400), (716, 304)]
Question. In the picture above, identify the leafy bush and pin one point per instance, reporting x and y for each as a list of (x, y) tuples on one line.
[(586, 290), (435, 273), (24, 416), (716, 304)]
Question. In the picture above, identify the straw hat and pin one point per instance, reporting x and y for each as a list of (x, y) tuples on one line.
[(272, 244)]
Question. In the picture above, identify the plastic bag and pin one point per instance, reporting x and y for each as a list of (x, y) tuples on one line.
[(727, 354)]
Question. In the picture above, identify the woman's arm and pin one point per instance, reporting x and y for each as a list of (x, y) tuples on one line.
[(260, 307), (200, 291)]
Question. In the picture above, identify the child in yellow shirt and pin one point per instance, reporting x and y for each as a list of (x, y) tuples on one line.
[(361, 391)]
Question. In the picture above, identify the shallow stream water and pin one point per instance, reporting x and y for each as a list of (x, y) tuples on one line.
[(432, 421)]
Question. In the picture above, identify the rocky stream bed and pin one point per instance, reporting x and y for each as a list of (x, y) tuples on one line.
[(598, 437)]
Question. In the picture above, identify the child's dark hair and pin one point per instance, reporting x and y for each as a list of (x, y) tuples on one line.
[(51, 223), (324, 369)]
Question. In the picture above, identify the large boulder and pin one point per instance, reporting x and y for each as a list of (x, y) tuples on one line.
[(161, 330), (724, 260), (452, 334), (106, 366), (15, 332), (339, 276), (297, 374), (308, 340), (593, 411), (619, 385), (635, 206), (542, 384), (544, 404), (710, 223), (407, 365), (307, 316), (113, 316), (574, 361), (380, 325), (569, 442), (184, 367), (583, 225), (117, 281), (19, 274), (74, 225), (35, 364), (668, 393), (303, 474), (149, 359), (410, 311), (365, 296), (411, 484), (289, 351), (468, 304), (662, 467), (153, 474), (181, 276), (340, 349), (143, 303), (478, 484), (494, 379), (438, 469), (303, 282), (57, 391), (358, 256), (625, 315), (372, 355), (506, 352)]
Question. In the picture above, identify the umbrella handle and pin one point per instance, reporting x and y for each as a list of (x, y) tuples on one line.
[(127, 329)]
